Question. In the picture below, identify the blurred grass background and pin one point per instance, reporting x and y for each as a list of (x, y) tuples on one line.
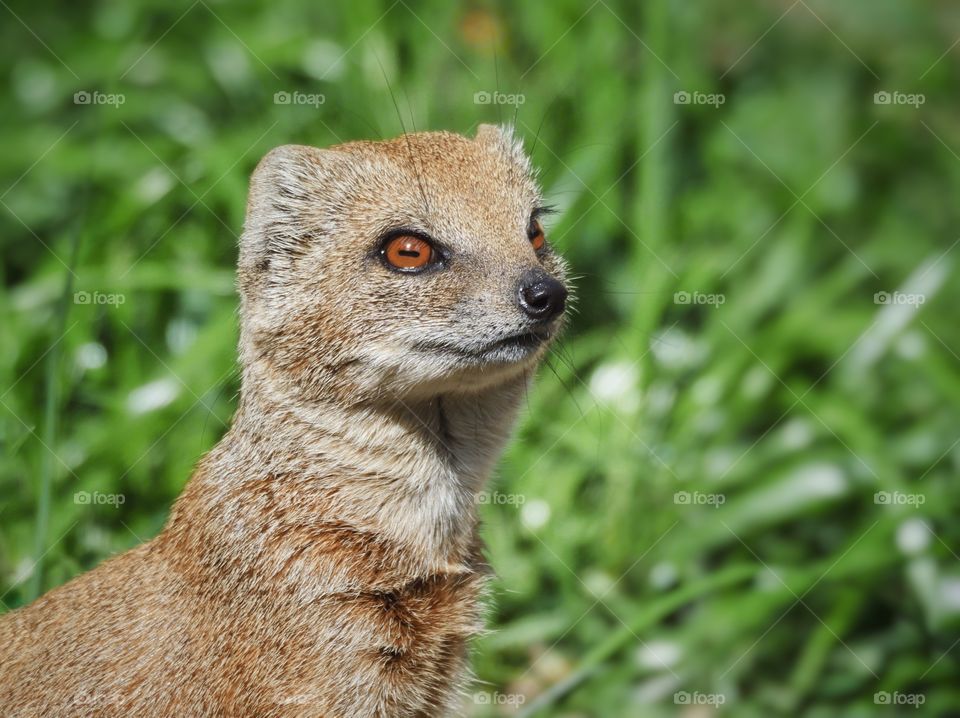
[(811, 567)]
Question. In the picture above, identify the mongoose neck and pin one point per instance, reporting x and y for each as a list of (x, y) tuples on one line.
[(409, 470)]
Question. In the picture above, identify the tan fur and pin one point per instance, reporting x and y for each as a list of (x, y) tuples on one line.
[(323, 560)]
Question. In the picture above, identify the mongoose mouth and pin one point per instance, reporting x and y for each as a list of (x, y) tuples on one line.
[(509, 349), (523, 341)]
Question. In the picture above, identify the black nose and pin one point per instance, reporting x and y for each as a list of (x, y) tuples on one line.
[(541, 296)]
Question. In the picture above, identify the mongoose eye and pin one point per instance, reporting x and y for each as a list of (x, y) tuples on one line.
[(408, 252), (535, 233)]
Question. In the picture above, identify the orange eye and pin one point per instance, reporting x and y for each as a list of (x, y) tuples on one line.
[(408, 252), (535, 233)]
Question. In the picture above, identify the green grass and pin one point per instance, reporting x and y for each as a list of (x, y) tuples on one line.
[(790, 404)]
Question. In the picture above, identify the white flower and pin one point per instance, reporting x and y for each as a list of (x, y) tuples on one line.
[(535, 513), (615, 384), (154, 395)]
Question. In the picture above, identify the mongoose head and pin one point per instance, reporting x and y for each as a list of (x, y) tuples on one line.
[(408, 267)]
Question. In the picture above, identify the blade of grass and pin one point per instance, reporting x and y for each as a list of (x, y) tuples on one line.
[(651, 214), (819, 646), (51, 402)]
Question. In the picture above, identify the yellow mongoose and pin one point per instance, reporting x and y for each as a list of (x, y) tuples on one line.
[(323, 560)]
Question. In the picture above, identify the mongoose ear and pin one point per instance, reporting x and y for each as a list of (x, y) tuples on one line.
[(503, 139), (492, 134), (285, 184)]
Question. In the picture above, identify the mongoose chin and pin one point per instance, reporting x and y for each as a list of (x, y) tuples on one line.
[(323, 560)]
